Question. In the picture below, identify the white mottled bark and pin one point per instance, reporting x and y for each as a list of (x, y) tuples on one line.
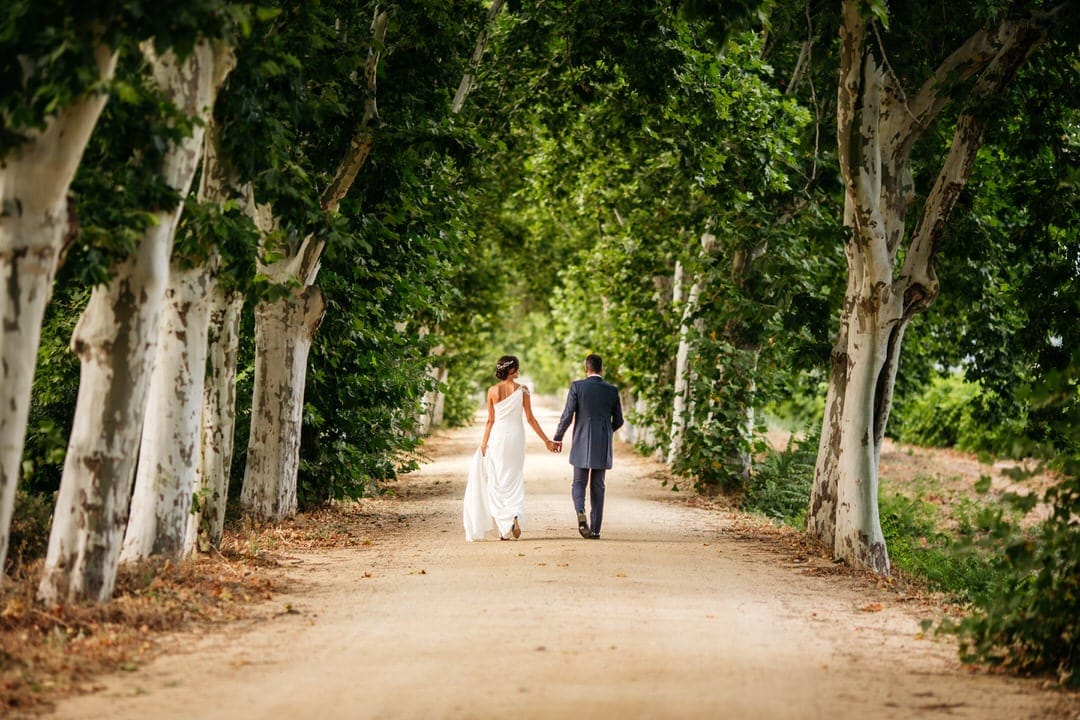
[(170, 445), (431, 415), (469, 78), (682, 364), (34, 226), (115, 339), (283, 332), (206, 524), (169, 450)]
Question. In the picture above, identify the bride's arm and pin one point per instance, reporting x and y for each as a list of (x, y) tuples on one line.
[(490, 422), (527, 405)]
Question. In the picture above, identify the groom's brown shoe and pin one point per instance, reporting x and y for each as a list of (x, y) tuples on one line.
[(583, 525)]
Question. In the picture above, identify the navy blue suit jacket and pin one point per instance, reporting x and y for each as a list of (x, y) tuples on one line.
[(593, 406)]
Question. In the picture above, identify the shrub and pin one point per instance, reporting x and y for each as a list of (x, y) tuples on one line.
[(1028, 621), (952, 412), (936, 417), (780, 485)]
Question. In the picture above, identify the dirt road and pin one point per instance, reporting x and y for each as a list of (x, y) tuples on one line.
[(671, 615)]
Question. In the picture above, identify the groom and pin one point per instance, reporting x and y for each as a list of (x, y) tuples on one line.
[(594, 407)]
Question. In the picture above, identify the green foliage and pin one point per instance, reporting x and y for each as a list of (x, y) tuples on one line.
[(622, 186), (398, 242), (531, 339), (47, 49), (918, 544), (370, 361), (779, 486), (119, 186), (953, 412), (1006, 314), (722, 17), (799, 403), (222, 234), (1027, 621), (56, 385), (718, 440), (940, 415)]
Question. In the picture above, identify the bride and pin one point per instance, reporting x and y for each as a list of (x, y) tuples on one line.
[(495, 491)]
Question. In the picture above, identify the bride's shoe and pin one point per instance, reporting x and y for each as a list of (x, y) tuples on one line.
[(516, 530)]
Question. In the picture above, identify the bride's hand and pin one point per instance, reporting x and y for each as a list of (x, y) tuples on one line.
[(483, 449)]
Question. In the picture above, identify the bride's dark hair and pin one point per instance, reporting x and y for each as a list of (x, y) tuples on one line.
[(506, 365)]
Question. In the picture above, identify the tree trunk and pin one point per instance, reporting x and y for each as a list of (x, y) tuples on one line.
[(844, 497), (207, 523), (34, 227), (168, 452), (284, 329), (682, 363), (431, 414), (115, 339), (821, 516), (738, 379), (876, 129), (857, 538), (469, 78)]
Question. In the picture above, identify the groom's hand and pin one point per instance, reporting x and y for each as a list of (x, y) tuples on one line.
[(558, 446)]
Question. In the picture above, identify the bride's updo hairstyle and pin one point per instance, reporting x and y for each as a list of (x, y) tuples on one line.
[(506, 365)]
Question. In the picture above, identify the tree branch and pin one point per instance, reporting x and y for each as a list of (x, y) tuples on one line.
[(977, 52), (364, 138), (917, 278), (849, 92), (469, 78)]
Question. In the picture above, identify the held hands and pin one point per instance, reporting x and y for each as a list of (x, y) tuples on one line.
[(553, 446)]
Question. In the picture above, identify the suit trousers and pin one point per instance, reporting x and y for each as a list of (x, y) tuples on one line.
[(594, 478)]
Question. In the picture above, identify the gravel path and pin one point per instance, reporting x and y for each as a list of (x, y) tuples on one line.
[(674, 614)]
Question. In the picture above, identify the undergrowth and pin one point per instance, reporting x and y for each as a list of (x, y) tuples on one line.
[(920, 545), (779, 487), (1027, 621)]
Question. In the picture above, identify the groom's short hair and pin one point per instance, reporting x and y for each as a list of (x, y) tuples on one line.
[(594, 364)]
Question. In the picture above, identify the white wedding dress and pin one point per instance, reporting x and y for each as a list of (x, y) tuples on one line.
[(495, 491)]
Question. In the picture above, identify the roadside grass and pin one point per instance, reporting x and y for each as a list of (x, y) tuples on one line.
[(1000, 550), (939, 545), (936, 527)]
